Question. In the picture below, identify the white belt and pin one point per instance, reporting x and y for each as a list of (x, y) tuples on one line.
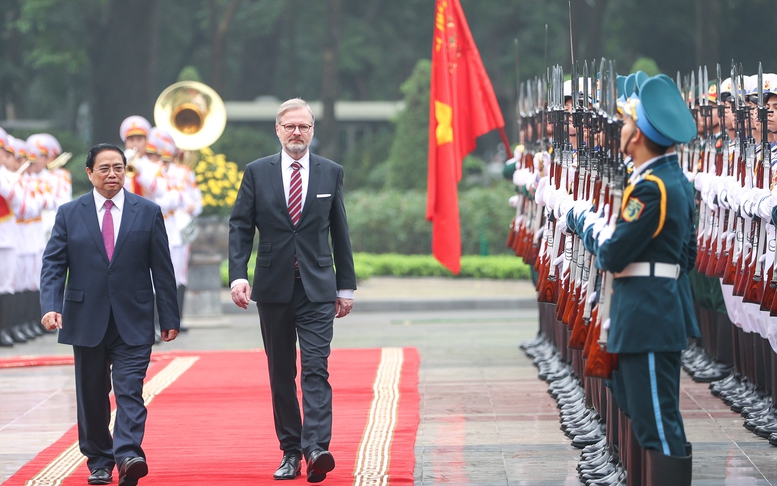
[(650, 269)]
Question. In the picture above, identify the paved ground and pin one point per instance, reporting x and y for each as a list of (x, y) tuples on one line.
[(485, 417)]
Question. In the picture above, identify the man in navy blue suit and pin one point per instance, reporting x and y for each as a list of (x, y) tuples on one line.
[(106, 249)]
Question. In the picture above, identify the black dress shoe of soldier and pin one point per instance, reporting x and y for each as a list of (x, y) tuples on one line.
[(5, 339), (290, 467), (581, 441), (766, 431), (711, 374), (740, 405), (100, 476), (751, 423), (17, 335), (773, 439), (320, 462), (586, 466), (600, 472), (35, 329)]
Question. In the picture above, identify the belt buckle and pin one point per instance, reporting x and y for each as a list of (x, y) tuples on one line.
[(296, 272)]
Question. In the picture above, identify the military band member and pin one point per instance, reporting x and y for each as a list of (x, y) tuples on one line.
[(144, 177), (10, 205)]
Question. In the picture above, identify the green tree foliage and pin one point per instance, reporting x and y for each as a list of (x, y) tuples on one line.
[(646, 65), (242, 144), (407, 161)]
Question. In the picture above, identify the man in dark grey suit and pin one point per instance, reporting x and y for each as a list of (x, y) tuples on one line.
[(295, 200), (105, 250)]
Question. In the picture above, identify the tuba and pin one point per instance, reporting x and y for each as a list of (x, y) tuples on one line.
[(192, 113), (195, 116)]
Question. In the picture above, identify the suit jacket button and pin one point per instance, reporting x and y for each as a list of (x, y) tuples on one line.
[(295, 233), (110, 272)]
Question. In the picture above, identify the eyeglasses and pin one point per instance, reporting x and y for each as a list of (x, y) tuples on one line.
[(104, 170), (302, 128)]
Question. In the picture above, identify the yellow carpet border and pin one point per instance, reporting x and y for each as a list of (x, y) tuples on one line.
[(374, 453), (62, 466)]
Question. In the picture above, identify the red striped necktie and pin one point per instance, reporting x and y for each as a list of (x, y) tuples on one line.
[(295, 193)]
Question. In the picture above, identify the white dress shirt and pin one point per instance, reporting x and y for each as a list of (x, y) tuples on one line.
[(304, 173), (118, 206)]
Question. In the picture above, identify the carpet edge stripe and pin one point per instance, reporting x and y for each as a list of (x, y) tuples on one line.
[(372, 459), (65, 464)]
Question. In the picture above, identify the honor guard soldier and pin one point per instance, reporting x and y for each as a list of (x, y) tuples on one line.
[(646, 250), (144, 177), (10, 205)]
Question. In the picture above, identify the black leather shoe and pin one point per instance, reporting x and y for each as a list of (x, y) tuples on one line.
[(132, 469), (100, 476), (290, 467), (5, 339), (320, 462), (17, 335)]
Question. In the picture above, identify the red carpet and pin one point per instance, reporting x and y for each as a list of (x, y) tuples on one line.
[(213, 424)]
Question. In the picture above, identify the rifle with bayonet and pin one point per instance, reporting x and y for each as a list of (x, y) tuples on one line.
[(754, 292), (725, 242), (599, 362)]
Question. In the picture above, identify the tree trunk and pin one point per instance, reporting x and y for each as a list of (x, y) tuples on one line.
[(121, 70), (218, 45), (327, 130), (707, 33), (259, 65), (587, 19)]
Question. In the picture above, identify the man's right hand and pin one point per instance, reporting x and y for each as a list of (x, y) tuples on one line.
[(52, 320), (241, 295)]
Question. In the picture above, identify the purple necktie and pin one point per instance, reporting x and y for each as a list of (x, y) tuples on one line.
[(108, 229)]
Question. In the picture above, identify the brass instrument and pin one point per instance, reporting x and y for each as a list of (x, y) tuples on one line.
[(193, 114), (135, 155), (59, 161), (13, 177)]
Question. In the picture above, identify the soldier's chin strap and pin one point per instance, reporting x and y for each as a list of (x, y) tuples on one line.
[(628, 141)]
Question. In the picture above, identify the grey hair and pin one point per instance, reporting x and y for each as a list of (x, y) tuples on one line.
[(293, 104)]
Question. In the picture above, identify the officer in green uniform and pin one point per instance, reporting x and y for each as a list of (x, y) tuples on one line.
[(647, 250)]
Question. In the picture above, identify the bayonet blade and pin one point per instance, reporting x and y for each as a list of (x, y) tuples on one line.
[(760, 86)]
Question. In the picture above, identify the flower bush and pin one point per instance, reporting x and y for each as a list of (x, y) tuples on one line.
[(219, 181)]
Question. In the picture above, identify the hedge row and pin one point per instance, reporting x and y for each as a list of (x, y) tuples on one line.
[(395, 221), (371, 265)]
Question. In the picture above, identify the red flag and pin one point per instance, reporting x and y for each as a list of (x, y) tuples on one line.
[(462, 107)]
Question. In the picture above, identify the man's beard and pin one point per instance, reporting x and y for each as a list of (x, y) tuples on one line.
[(296, 146)]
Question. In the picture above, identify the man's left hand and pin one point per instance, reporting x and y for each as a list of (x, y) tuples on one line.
[(169, 334), (343, 307)]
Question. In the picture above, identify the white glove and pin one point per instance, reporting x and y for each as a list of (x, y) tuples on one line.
[(699, 180), (581, 207), (565, 205), (561, 224), (605, 234), (763, 206), (513, 201), (552, 196), (539, 194)]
